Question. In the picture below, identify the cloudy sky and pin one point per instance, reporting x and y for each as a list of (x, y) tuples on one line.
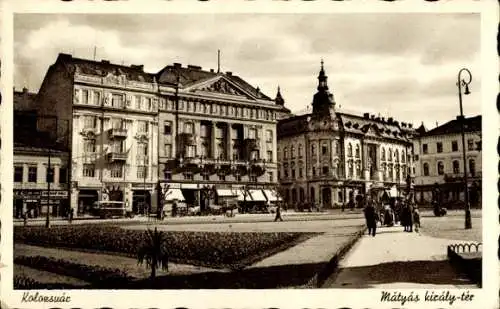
[(399, 65)]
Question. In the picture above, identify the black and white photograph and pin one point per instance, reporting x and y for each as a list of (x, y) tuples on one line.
[(250, 151)]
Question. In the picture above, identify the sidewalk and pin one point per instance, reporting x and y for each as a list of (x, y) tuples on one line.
[(396, 259)]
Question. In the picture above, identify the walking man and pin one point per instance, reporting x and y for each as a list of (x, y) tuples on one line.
[(371, 217), (278, 213)]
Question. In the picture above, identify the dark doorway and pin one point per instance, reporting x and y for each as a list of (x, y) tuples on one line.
[(141, 202), (326, 197), (86, 198)]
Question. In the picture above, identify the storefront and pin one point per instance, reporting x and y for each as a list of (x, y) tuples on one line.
[(34, 203), (141, 198), (86, 199)]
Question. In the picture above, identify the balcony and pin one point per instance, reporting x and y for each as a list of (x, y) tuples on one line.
[(117, 133), (117, 156)]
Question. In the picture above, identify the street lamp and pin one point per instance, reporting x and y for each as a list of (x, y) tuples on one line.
[(463, 82)]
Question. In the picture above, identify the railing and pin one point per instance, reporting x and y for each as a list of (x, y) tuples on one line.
[(117, 132), (117, 156)]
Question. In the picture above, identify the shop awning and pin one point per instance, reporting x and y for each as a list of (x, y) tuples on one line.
[(174, 194), (272, 196), (226, 192), (239, 193), (257, 196)]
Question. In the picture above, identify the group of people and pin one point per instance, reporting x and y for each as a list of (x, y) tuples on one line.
[(405, 213)]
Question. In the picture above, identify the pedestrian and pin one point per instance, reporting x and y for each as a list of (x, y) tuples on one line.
[(278, 213), (371, 218), (416, 219), (70, 215), (404, 217), (25, 218), (174, 209)]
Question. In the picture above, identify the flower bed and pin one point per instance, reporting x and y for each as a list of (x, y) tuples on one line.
[(93, 274), (233, 250), (22, 282)]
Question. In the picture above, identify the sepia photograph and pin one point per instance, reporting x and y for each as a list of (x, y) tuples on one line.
[(310, 151), (208, 156)]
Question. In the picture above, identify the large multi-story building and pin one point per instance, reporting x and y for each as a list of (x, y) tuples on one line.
[(439, 159), (217, 134), (130, 133), (327, 157)]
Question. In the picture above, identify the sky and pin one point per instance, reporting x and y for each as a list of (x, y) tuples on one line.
[(397, 65)]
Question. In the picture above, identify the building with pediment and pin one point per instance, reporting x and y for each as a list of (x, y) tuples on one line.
[(133, 133), (327, 157)]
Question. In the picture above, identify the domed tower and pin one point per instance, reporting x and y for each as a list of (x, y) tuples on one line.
[(284, 112), (279, 99), (323, 101)]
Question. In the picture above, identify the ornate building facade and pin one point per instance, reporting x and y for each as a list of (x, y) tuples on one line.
[(439, 160), (327, 157), (131, 134), (217, 133)]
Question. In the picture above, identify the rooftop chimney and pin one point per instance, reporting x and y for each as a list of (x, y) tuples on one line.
[(366, 115), (177, 65), (194, 67), (212, 71)]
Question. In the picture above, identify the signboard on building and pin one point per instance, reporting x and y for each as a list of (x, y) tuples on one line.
[(55, 194)]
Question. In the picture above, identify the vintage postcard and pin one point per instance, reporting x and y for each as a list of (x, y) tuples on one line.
[(249, 154)]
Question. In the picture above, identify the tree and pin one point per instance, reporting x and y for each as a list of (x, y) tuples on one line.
[(153, 252)]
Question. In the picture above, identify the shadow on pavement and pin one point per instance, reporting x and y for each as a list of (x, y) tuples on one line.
[(252, 278), (420, 272)]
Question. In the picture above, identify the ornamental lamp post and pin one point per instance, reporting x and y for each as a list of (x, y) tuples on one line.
[(464, 82)]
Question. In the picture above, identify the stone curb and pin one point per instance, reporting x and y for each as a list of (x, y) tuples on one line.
[(332, 265)]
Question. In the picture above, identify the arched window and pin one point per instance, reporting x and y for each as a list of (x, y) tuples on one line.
[(472, 167), (396, 155), (403, 156), (300, 151), (383, 154), (313, 150), (349, 150), (456, 167), (390, 155), (292, 152), (426, 169), (357, 151), (358, 169), (351, 169), (440, 168), (398, 175), (285, 153)]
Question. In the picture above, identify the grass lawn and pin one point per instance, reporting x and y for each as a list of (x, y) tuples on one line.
[(452, 228), (48, 278)]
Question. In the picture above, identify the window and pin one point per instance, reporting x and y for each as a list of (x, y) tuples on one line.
[(63, 175), (117, 146), (142, 172), (89, 145), (269, 156), (148, 104), (425, 149), (88, 170), (116, 170), (456, 167), (292, 152), (389, 157), (358, 170), (286, 172), (426, 169), (325, 170), (416, 157), (270, 176), (168, 175), (300, 150), (313, 150), (440, 168), (349, 150), (383, 154), (18, 174), (137, 100), (472, 167), (439, 147), (396, 156), (285, 153), (188, 176), (301, 173), (190, 151), (117, 100), (454, 146), (478, 146), (142, 149), (85, 96), (293, 173), (167, 127), (314, 172), (269, 136), (50, 175), (340, 197), (336, 147), (97, 98), (89, 122), (142, 126), (357, 151), (351, 170), (118, 123), (470, 144), (252, 133), (403, 156), (32, 174), (168, 150), (324, 149), (189, 127)]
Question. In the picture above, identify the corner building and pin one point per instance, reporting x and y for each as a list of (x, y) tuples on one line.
[(327, 157)]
